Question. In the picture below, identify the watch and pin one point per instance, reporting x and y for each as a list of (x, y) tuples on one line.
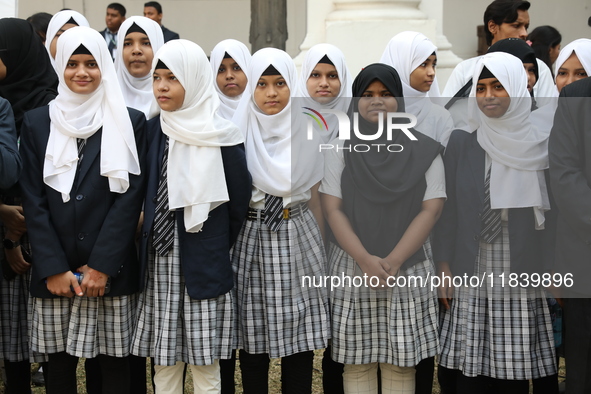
[(9, 243)]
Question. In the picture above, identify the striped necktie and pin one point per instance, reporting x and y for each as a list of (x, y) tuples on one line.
[(491, 218), (163, 237), (273, 212)]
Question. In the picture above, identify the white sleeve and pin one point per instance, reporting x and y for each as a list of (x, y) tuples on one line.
[(435, 177), (334, 163)]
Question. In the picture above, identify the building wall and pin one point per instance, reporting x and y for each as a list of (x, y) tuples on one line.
[(205, 22)]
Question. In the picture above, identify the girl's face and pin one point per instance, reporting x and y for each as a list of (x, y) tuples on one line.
[(271, 94), (323, 84), (230, 78), (2, 70), (530, 69), (82, 74), (571, 70), (492, 98), (53, 45), (423, 76), (169, 92), (376, 101), (137, 54)]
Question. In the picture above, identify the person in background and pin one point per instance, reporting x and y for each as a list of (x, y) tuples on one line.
[(40, 22), (153, 10), (573, 63), (114, 18), (61, 21), (545, 41)]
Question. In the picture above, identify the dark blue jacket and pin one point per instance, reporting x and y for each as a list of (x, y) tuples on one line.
[(96, 227), (457, 233), (205, 256)]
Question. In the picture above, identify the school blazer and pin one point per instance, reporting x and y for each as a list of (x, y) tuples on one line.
[(205, 256), (96, 227), (570, 174), (457, 233)]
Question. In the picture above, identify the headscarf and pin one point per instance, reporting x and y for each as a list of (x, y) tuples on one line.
[(57, 22), (405, 52), (76, 116), (341, 101), (30, 81), (582, 48), (383, 191), (137, 92), (280, 159), (196, 131), (241, 55), (519, 151)]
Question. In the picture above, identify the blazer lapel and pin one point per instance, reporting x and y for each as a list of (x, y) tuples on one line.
[(476, 158), (90, 153)]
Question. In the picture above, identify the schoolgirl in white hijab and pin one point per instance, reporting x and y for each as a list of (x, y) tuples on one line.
[(281, 160), (137, 91), (341, 100), (406, 52), (241, 55), (519, 151), (78, 116), (55, 25), (196, 131), (581, 49)]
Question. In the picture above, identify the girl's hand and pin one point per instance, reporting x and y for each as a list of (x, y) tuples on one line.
[(16, 260), (445, 292), (94, 282), (62, 285), (377, 267), (13, 219)]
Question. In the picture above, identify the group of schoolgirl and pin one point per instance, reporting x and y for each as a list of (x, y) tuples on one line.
[(238, 205)]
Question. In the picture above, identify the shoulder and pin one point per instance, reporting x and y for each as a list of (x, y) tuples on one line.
[(39, 114), (460, 138), (136, 116), (581, 88)]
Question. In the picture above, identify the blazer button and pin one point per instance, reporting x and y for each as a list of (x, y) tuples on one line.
[(155, 199), (145, 234), (79, 197), (476, 237), (81, 236)]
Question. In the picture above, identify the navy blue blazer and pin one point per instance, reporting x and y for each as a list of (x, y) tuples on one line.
[(96, 227), (205, 256), (169, 34), (570, 173), (457, 233)]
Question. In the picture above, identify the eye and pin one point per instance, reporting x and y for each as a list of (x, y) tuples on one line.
[(434, 64), (237, 68), (156, 78), (280, 83), (126, 44), (366, 95), (561, 73), (479, 89), (221, 70), (423, 65), (499, 87), (314, 75), (334, 76), (71, 64), (261, 84), (387, 94), (92, 64), (147, 43), (172, 78)]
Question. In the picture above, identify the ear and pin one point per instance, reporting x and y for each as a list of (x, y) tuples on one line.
[(492, 27)]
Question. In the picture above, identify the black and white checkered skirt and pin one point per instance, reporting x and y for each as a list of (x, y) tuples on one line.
[(393, 325), (174, 327), (275, 313), (504, 333), (83, 326)]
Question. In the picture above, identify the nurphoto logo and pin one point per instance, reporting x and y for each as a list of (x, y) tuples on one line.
[(394, 121)]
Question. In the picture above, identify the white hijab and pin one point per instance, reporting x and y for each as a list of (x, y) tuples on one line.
[(196, 131), (57, 22), (137, 92), (519, 151), (280, 159), (582, 48), (341, 101), (405, 52), (81, 115), (241, 55)]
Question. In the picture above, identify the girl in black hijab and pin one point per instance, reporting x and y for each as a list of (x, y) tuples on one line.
[(381, 199), (27, 81)]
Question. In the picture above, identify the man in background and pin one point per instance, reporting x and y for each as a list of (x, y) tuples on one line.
[(153, 10), (114, 18)]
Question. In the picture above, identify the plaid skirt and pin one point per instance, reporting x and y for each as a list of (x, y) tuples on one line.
[(394, 325), (14, 321), (499, 332), (174, 327), (83, 326), (275, 313)]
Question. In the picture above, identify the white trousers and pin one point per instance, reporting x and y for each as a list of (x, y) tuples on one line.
[(363, 379), (206, 378)]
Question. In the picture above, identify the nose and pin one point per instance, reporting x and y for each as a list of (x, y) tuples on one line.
[(323, 81), (137, 49), (271, 91), (523, 33), (160, 85), (571, 79), (229, 75), (430, 71)]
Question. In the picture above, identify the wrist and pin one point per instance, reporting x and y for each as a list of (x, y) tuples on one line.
[(10, 243)]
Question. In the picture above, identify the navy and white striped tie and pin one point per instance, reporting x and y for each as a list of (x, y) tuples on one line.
[(491, 218), (273, 212), (163, 237)]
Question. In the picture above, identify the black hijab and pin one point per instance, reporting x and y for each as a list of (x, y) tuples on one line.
[(30, 79), (518, 48), (382, 191)]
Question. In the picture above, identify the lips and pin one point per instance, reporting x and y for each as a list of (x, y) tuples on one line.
[(231, 85)]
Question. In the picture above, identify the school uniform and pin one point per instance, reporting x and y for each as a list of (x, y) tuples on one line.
[(495, 331)]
